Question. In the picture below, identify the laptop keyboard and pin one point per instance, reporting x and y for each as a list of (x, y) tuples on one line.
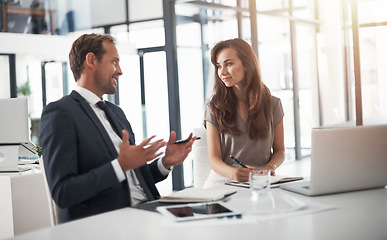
[(23, 168)]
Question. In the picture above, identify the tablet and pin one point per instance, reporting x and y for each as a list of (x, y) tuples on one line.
[(196, 211)]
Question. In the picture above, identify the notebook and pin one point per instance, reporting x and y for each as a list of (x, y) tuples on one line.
[(14, 134), (190, 195), (275, 181), (345, 159)]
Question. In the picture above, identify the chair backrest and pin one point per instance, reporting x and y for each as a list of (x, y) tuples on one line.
[(202, 167), (52, 204)]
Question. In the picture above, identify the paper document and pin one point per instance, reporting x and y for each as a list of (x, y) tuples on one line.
[(276, 204), (197, 195)]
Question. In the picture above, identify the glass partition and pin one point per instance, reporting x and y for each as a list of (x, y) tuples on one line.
[(198, 29), (4, 77), (306, 52), (276, 67), (57, 17), (373, 59)]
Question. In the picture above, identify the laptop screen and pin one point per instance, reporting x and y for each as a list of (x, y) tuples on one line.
[(14, 127)]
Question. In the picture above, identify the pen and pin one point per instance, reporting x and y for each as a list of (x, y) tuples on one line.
[(237, 161), (185, 140), (178, 141)]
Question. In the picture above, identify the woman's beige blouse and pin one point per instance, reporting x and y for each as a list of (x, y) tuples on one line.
[(252, 152)]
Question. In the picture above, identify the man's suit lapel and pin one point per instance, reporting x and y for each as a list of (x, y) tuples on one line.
[(143, 170), (89, 111), (120, 121)]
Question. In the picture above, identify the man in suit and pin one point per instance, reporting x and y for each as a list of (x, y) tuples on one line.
[(91, 166)]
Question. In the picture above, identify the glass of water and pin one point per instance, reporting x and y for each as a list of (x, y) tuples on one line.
[(259, 181), (261, 198)]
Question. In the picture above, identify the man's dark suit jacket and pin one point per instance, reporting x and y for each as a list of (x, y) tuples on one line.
[(77, 154)]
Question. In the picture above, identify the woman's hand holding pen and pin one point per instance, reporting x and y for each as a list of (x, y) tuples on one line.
[(241, 174)]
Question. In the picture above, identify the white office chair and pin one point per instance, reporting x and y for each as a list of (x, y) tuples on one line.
[(202, 167), (52, 205)]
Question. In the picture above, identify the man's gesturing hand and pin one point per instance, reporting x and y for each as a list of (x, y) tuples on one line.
[(134, 156)]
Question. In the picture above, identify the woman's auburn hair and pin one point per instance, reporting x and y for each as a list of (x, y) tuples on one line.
[(258, 97)]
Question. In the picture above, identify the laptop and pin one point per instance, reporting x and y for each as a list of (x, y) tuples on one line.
[(14, 134), (345, 159)]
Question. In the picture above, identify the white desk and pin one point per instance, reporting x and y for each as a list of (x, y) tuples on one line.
[(359, 215), (23, 203)]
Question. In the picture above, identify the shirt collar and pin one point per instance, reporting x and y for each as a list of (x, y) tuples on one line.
[(90, 97)]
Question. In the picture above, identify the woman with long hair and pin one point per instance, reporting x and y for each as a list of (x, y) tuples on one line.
[(242, 118)]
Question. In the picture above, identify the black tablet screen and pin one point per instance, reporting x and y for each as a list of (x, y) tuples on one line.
[(201, 209)]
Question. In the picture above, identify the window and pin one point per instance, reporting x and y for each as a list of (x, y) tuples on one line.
[(5, 77)]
